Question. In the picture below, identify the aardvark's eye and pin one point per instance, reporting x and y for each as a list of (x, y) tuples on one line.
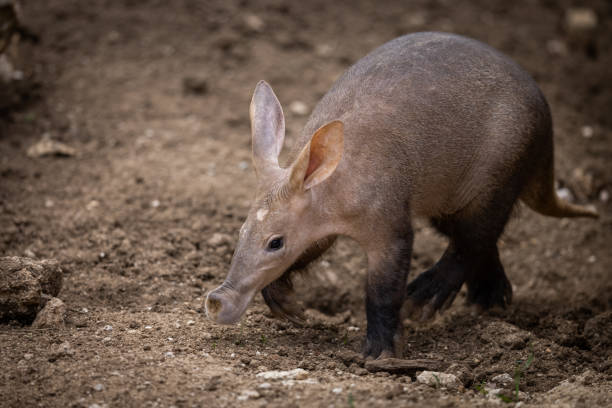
[(275, 244)]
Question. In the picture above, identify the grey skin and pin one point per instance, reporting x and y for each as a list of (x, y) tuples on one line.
[(428, 125)]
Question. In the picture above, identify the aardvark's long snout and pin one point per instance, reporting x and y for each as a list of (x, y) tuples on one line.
[(225, 305)]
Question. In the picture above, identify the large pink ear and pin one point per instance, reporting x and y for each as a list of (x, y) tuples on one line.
[(267, 127), (319, 158)]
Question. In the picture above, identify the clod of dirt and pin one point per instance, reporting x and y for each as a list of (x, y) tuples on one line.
[(63, 350), (438, 380), (23, 282), (20, 295), (506, 335), (49, 147), (598, 331), (349, 357), (400, 366), (195, 86), (52, 315)]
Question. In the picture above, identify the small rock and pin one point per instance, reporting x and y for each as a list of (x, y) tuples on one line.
[(29, 253), (298, 374), (195, 86), (438, 379), (324, 50), (298, 108), (502, 380), (337, 390), (598, 331), (565, 194), (190, 322), (49, 147), (28, 356), (580, 19), (243, 165), (169, 354), (604, 196), (254, 23), (587, 132), (99, 387), (52, 315), (92, 205), (108, 327), (219, 239), (155, 203), (248, 394), (264, 385), (556, 47), (63, 350)]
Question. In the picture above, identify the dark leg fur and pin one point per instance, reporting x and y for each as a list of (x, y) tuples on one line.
[(385, 294), (472, 257)]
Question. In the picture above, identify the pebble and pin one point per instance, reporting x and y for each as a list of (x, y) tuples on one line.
[(581, 19), (155, 203), (190, 322), (218, 239), (108, 327), (298, 374), (604, 196), (438, 379), (264, 385), (565, 194), (337, 390), (92, 205), (254, 23), (298, 108), (28, 356), (169, 354), (49, 147), (99, 387), (502, 379), (587, 132), (556, 47), (243, 165), (246, 394)]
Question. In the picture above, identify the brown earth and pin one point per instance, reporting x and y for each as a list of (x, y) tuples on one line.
[(154, 97)]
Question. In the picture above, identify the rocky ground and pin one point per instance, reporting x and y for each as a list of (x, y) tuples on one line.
[(125, 156)]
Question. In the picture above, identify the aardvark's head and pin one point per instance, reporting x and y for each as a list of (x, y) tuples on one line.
[(282, 221)]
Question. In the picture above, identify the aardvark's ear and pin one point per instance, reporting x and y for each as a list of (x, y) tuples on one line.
[(267, 127), (319, 158)]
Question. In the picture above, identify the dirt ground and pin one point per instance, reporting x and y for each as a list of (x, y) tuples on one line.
[(154, 97)]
